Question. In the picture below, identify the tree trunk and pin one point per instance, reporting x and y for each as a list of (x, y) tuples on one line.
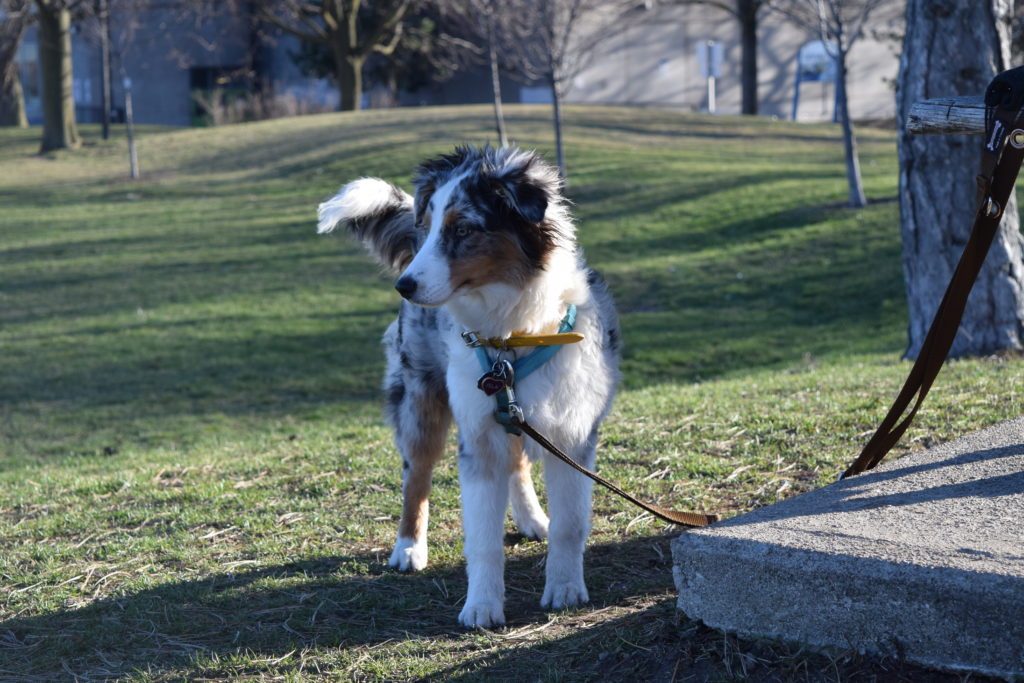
[(104, 28), (556, 111), (499, 114), (54, 26), (849, 141), (746, 12), (954, 49), (349, 68), (12, 100)]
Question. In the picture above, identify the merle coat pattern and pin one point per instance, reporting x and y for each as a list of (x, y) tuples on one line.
[(488, 245)]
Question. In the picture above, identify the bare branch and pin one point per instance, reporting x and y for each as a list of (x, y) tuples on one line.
[(292, 16)]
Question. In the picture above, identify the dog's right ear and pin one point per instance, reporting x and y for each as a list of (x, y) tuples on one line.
[(524, 184), (379, 214), (522, 195)]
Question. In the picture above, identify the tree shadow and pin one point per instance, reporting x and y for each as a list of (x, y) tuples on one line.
[(344, 601), (910, 492), (353, 603)]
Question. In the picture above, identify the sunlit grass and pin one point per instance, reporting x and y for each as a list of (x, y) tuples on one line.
[(195, 479)]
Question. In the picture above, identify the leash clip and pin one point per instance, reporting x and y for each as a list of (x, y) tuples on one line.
[(515, 413)]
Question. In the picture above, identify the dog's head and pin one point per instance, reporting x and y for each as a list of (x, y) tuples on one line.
[(490, 217)]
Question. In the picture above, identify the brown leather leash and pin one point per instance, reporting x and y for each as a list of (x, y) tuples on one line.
[(499, 380), (1001, 160), (672, 516)]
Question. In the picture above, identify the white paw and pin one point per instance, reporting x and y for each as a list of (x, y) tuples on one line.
[(532, 526), (408, 556), (564, 594), (482, 614)]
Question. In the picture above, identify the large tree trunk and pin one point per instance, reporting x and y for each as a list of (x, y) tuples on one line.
[(12, 100), (349, 70), (954, 49), (746, 12), (853, 179), (59, 129)]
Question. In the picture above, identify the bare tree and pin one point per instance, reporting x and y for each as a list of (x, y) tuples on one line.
[(552, 41), (839, 24), (476, 24), (351, 30), (110, 25), (492, 62), (14, 19), (954, 49)]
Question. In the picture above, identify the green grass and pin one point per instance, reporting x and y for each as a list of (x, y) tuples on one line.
[(195, 479)]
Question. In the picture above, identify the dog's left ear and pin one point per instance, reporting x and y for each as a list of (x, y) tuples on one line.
[(521, 194)]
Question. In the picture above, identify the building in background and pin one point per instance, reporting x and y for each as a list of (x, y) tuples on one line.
[(182, 71), (656, 62), (186, 72)]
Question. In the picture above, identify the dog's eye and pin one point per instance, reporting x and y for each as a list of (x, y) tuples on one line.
[(461, 231)]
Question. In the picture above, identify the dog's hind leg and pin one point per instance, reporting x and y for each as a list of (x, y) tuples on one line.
[(421, 417), (526, 510)]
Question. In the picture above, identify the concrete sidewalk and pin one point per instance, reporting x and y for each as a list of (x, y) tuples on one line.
[(921, 558)]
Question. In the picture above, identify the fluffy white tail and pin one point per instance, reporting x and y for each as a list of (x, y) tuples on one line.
[(378, 213)]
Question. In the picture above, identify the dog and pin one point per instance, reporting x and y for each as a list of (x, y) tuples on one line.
[(488, 245)]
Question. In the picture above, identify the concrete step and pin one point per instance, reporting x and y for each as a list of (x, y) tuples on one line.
[(921, 558)]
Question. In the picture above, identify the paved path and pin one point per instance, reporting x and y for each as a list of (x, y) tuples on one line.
[(922, 557)]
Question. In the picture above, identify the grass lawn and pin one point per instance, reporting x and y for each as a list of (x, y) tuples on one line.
[(195, 479)]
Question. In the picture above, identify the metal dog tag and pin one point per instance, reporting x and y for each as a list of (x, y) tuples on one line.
[(501, 376), (489, 384)]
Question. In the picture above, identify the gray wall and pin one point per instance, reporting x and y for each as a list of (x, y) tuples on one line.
[(654, 62)]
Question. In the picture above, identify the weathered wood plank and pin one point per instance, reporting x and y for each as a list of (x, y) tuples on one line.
[(945, 115)]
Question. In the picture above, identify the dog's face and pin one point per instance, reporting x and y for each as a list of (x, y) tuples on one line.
[(484, 215)]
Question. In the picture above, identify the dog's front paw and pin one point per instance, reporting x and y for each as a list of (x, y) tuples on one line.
[(482, 614), (564, 594), (408, 556)]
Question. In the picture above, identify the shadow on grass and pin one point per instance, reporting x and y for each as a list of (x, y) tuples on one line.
[(849, 492), (346, 602), (344, 610), (709, 129)]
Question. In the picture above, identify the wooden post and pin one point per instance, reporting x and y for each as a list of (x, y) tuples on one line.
[(948, 115)]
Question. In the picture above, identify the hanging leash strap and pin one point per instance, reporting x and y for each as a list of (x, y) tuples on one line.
[(672, 516), (499, 378), (1001, 160)]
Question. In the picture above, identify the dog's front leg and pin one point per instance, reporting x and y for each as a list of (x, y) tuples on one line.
[(569, 495), (483, 477)]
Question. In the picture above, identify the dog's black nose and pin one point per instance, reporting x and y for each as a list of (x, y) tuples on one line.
[(406, 286)]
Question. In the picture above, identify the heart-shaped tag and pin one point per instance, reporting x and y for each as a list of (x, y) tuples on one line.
[(490, 385)]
